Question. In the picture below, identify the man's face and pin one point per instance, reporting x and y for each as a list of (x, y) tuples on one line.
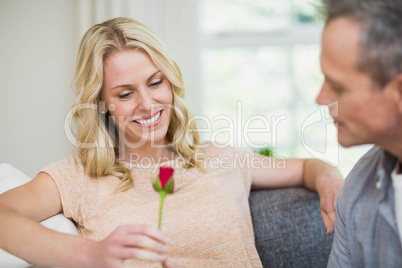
[(362, 113)]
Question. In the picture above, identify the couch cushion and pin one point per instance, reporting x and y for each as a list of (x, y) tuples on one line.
[(11, 177), (289, 231)]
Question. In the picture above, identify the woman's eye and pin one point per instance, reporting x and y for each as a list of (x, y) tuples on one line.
[(156, 83), (124, 96)]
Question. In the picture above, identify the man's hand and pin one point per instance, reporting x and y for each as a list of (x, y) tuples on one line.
[(328, 188)]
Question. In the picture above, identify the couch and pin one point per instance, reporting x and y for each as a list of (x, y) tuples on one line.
[(287, 224), (288, 228)]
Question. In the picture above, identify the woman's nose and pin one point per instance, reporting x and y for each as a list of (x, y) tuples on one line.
[(145, 101)]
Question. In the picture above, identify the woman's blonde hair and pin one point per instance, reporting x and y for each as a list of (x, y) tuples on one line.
[(97, 140)]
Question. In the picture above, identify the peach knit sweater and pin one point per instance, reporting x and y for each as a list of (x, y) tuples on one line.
[(208, 219)]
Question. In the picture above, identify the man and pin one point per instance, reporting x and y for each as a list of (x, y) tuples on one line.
[(361, 60)]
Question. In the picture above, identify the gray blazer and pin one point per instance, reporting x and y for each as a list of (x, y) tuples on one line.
[(366, 232)]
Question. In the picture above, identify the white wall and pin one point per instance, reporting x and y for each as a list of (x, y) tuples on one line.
[(37, 44), (39, 41)]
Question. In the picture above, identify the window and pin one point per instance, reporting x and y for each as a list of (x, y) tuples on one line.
[(260, 72)]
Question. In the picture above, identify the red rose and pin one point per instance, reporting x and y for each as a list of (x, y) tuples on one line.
[(165, 173), (164, 182), (164, 185)]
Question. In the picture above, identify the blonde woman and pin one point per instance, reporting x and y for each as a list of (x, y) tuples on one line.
[(130, 119)]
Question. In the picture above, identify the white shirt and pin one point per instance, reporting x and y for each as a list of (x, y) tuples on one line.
[(397, 182)]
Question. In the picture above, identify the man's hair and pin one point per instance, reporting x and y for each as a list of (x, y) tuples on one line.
[(381, 34)]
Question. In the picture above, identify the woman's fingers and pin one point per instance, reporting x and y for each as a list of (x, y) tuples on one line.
[(146, 230), (140, 254), (169, 264), (129, 238), (145, 242), (138, 242), (140, 247)]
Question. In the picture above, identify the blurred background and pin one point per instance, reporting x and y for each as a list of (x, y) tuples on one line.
[(251, 69)]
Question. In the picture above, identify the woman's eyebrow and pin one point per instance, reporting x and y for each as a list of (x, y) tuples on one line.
[(152, 75), (119, 86), (128, 85)]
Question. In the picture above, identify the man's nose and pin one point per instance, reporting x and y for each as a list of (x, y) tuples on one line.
[(325, 97)]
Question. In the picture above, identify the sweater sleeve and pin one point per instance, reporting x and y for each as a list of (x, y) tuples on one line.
[(68, 175), (243, 162)]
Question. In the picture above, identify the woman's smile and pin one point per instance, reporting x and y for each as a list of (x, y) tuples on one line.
[(149, 121)]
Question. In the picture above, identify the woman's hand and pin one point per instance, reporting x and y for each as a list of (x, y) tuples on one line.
[(139, 242), (328, 188), (169, 264)]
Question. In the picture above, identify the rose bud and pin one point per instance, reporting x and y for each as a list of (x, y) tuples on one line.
[(164, 185), (164, 182)]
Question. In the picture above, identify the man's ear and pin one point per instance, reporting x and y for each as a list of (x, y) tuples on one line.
[(397, 80)]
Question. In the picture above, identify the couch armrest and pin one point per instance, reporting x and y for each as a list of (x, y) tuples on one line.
[(288, 228)]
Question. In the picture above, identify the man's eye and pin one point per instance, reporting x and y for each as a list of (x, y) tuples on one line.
[(337, 89)]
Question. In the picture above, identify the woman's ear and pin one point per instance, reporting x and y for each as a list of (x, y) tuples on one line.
[(102, 107)]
